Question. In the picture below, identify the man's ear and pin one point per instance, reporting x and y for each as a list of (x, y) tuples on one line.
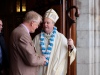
[(32, 23)]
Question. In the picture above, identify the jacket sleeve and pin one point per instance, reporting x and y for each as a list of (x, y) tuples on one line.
[(28, 53)]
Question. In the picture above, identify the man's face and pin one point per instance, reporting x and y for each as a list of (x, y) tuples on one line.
[(1, 25), (34, 26), (48, 25)]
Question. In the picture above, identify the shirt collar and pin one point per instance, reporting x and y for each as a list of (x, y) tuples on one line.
[(26, 28)]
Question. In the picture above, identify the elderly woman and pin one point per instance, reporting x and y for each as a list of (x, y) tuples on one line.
[(54, 46)]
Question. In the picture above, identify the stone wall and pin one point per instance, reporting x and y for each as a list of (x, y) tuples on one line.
[(88, 37)]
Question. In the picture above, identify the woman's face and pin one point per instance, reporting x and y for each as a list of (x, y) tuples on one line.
[(48, 25)]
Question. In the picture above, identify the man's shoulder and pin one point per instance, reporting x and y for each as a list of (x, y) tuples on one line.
[(1, 37), (60, 34), (19, 29), (37, 36)]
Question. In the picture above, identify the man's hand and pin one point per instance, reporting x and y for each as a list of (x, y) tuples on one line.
[(71, 43), (44, 60)]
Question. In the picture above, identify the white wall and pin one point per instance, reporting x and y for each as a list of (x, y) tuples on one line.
[(88, 37)]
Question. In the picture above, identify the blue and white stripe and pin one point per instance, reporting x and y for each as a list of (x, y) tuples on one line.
[(47, 52)]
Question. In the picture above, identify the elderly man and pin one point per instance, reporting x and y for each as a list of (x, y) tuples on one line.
[(24, 59), (54, 46)]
